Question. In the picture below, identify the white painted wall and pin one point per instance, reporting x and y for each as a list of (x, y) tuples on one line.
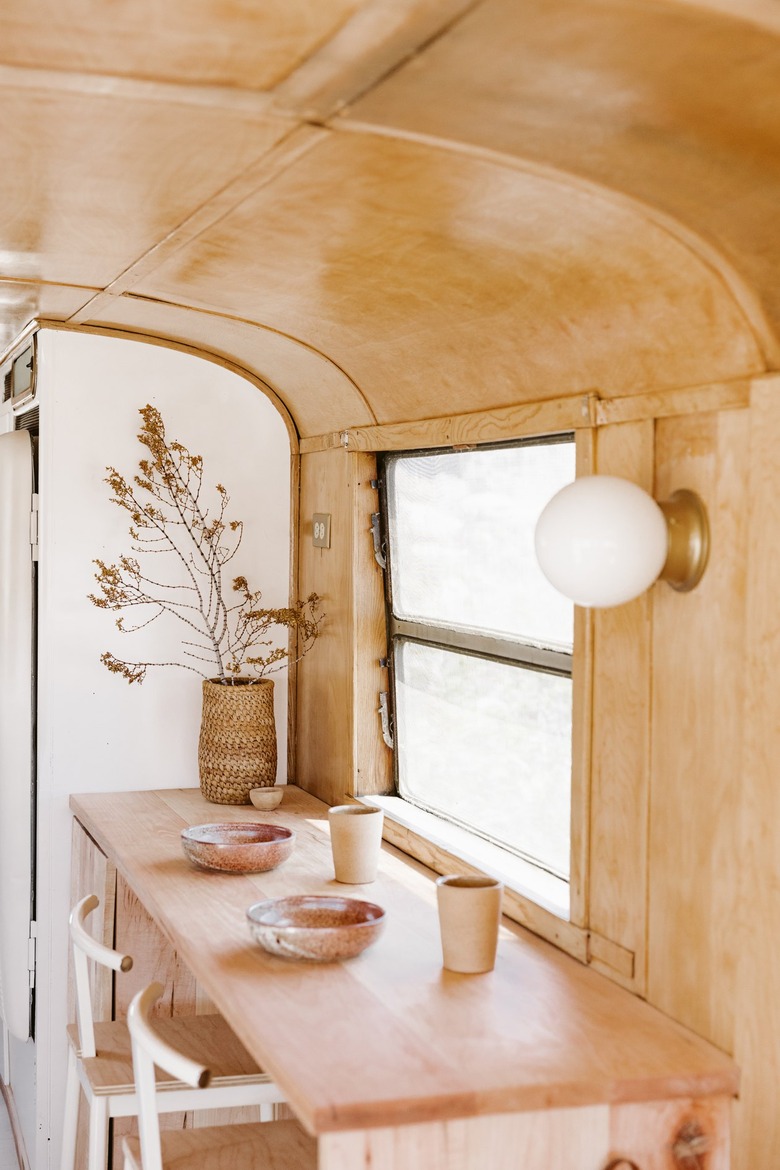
[(96, 732)]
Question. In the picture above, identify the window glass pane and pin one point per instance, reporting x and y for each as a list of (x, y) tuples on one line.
[(461, 527), (487, 744)]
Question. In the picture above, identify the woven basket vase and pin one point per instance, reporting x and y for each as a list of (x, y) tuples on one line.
[(237, 746)]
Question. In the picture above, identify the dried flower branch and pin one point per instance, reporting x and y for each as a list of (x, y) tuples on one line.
[(168, 517)]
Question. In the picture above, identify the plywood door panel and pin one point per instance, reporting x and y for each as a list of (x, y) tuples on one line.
[(620, 739), (698, 688)]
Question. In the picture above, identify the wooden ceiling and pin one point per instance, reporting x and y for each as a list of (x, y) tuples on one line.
[(396, 209)]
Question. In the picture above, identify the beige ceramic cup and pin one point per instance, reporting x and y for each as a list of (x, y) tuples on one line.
[(469, 914), (355, 839)]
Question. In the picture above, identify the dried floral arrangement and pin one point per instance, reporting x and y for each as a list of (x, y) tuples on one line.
[(170, 520)]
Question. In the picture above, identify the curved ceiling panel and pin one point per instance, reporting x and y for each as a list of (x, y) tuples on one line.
[(313, 389), (669, 103), (440, 282), (243, 43), (22, 301), (97, 181)]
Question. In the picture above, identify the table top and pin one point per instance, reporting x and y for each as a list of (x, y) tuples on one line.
[(390, 1037)]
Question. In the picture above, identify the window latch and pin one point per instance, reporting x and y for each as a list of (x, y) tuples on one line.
[(376, 532)]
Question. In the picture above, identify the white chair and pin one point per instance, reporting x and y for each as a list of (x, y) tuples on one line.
[(100, 1059), (281, 1144)]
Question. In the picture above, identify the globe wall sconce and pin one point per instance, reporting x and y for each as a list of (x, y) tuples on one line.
[(602, 541)]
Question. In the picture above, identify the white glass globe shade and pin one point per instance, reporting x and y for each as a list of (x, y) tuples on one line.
[(601, 541)]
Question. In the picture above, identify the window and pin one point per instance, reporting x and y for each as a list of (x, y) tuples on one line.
[(481, 652)]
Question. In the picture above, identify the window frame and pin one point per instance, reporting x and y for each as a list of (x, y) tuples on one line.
[(523, 907)]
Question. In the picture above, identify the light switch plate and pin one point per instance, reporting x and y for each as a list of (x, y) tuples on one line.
[(320, 529)]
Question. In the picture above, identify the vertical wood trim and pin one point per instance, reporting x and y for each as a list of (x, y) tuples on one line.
[(621, 737), (292, 675), (698, 670), (372, 759), (582, 721), (757, 1007)]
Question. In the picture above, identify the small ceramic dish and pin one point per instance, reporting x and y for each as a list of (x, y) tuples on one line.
[(267, 798), (321, 928), (237, 848)]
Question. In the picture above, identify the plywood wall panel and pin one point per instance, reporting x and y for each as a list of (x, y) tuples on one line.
[(339, 741), (325, 685), (621, 730), (757, 1003), (698, 691)]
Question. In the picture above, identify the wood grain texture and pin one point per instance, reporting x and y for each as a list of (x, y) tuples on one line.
[(588, 88), (325, 711), (276, 1145), (581, 731), (451, 1045), (204, 1038), (101, 180), (340, 748), (344, 259), (372, 759), (576, 1139), (213, 43), (697, 689), (647, 1134), (621, 736), (92, 873), (305, 380), (756, 1004)]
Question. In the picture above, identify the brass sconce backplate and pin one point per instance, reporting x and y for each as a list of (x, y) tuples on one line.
[(689, 540)]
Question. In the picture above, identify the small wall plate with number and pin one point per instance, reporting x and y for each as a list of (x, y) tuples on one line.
[(320, 527)]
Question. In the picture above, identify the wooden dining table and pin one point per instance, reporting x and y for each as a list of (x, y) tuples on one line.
[(393, 1062)]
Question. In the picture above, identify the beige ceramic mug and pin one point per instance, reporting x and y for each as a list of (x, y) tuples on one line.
[(355, 839), (469, 914)]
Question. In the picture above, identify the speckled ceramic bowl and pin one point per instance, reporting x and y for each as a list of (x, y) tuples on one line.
[(237, 848), (320, 928)]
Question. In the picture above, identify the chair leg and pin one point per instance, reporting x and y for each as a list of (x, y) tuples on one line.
[(71, 1117), (97, 1156)]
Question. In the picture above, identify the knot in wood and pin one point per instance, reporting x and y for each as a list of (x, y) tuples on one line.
[(690, 1147)]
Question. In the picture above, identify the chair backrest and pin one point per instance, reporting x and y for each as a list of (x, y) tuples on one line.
[(150, 1050), (86, 947)]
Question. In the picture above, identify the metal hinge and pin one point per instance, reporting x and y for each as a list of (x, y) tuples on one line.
[(32, 951), (376, 532), (34, 515), (386, 717)]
